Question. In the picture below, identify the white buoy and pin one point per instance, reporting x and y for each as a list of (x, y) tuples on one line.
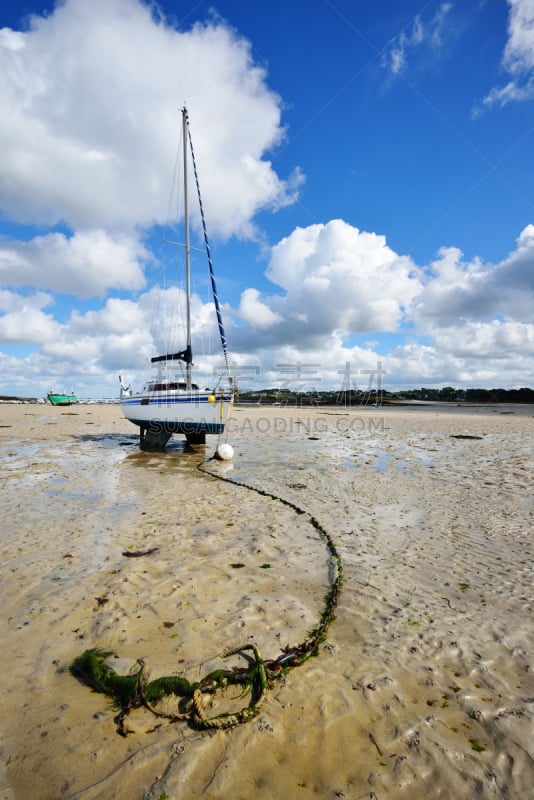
[(225, 452)]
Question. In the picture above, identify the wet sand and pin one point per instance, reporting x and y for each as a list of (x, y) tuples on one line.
[(424, 687)]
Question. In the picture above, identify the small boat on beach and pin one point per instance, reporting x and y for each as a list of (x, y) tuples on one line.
[(170, 401), (59, 398)]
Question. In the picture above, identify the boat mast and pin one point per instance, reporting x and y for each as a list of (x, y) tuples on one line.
[(187, 249)]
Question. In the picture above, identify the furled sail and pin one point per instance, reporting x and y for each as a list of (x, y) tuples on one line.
[(184, 355)]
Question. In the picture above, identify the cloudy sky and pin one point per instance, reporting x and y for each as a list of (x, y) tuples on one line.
[(367, 172)]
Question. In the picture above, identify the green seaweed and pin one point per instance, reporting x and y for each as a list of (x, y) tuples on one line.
[(91, 669), (160, 687), (476, 746)]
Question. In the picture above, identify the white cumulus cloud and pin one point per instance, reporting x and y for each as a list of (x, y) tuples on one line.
[(335, 279), (27, 325), (85, 264), (458, 291), (256, 313), (90, 98)]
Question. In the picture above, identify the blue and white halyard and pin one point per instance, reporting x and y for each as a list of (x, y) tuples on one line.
[(170, 403)]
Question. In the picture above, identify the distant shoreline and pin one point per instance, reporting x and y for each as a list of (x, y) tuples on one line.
[(4, 398), (292, 404)]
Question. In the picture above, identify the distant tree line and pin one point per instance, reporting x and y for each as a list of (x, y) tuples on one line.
[(448, 394)]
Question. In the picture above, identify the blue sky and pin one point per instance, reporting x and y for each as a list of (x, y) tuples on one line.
[(368, 181)]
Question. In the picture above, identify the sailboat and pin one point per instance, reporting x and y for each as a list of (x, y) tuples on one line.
[(170, 401)]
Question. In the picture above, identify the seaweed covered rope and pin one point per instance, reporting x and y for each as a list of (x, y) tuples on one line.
[(129, 692), (132, 691), (294, 656)]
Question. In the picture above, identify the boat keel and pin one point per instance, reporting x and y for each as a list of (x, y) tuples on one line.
[(153, 441)]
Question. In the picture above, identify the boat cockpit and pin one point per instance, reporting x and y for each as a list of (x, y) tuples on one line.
[(169, 386)]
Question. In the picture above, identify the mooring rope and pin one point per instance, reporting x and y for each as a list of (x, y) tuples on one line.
[(129, 692)]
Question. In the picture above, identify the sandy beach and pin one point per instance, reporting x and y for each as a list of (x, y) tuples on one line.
[(424, 687)]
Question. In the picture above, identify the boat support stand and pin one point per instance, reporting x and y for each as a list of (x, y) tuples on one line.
[(155, 441)]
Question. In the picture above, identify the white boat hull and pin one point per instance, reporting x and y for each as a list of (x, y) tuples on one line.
[(190, 413)]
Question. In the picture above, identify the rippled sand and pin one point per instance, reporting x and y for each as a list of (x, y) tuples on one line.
[(424, 687)]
